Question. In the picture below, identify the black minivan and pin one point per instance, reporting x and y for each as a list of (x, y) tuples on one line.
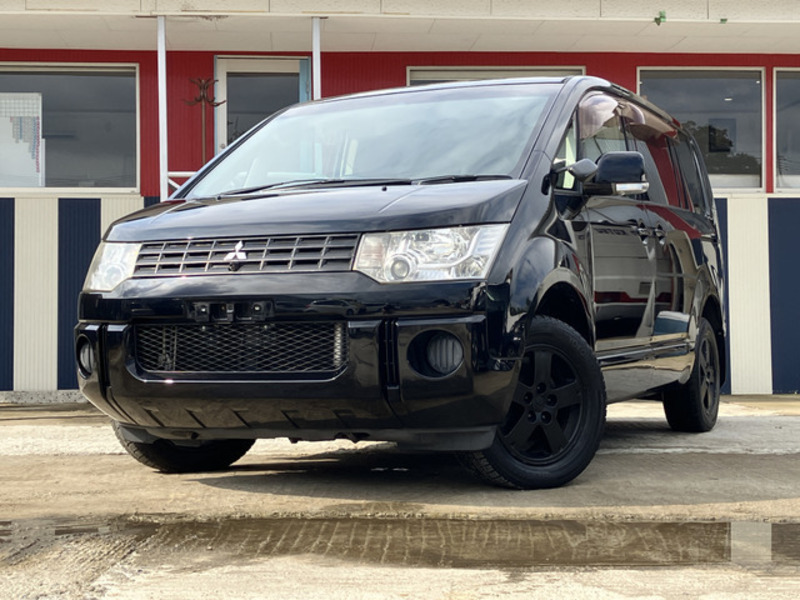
[(475, 267)]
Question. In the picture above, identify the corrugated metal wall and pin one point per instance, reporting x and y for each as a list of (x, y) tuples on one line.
[(749, 298), (784, 287), (6, 293), (78, 236), (35, 293)]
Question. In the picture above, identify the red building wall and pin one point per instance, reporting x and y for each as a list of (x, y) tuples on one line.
[(347, 72)]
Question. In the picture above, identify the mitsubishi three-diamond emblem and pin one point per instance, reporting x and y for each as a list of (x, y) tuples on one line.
[(237, 253), (235, 256)]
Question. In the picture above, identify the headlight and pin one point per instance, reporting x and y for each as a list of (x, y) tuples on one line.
[(112, 264), (430, 254)]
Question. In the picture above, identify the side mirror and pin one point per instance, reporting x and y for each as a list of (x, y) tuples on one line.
[(581, 170), (570, 205), (622, 171)]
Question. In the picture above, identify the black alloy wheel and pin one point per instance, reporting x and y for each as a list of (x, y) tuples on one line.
[(556, 417), (546, 409), (694, 406)]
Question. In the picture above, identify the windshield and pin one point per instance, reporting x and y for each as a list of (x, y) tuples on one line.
[(462, 131)]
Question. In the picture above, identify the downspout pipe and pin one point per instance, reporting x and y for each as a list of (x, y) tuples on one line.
[(316, 59), (163, 170)]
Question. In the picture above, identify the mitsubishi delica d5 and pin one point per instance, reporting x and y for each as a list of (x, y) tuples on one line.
[(474, 267)]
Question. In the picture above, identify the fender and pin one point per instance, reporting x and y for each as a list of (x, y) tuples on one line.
[(546, 271)]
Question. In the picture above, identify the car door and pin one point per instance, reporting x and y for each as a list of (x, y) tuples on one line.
[(613, 235), (673, 223), (622, 256)]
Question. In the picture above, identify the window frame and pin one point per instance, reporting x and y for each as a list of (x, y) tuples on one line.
[(678, 172), (720, 190), (626, 140), (783, 190), (224, 64), (96, 67), (678, 177)]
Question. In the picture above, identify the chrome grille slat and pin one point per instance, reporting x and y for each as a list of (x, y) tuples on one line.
[(252, 348), (276, 254)]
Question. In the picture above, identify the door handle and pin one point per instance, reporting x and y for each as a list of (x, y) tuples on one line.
[(642, 231), (660, 234)]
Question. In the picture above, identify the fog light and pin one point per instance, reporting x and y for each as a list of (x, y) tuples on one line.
[(86, 358), (444, 353)]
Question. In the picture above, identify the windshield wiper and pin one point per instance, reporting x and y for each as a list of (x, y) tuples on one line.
[(459, 178), (301, 183), (354, 182), (270, 186)]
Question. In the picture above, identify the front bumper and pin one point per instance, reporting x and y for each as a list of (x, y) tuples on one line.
[(377, 394)]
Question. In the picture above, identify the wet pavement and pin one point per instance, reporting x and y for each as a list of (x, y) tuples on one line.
[(439, 543), (656, 515)]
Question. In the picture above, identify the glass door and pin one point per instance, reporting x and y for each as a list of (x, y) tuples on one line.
[(251, 89)]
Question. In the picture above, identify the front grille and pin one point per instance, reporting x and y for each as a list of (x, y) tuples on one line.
[(319, 349), (277, 254)]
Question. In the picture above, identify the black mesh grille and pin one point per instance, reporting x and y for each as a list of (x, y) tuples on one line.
[(265, 348), (249, 255)]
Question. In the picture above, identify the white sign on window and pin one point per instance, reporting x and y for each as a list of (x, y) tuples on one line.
[(21, 143)]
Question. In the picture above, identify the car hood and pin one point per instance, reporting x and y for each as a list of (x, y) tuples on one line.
[(340, 210)]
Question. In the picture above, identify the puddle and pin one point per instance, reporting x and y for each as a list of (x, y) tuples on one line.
[(467, 544), (450, 543)]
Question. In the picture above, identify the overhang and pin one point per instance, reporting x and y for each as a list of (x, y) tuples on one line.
[(342, 32)]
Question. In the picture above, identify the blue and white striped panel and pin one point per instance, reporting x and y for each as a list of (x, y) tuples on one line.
[(47, 242), (53, 241)]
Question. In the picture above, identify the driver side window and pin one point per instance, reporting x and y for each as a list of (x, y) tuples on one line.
[(566, 155), (600, 127), (599, 130)]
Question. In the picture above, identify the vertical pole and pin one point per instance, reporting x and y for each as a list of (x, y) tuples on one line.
[(162, 110), (316, 62), (203, 130)]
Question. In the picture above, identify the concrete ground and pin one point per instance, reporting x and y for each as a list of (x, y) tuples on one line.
[(656, 515)]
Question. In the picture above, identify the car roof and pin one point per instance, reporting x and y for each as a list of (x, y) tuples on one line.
[(580, 80), (579, 84)]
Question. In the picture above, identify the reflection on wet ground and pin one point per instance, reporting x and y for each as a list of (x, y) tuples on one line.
[(427, 542)]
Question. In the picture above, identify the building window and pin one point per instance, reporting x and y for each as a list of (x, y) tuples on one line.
[(723, 110), (425, 75), (249, 89), (787, 126), (68, 127)]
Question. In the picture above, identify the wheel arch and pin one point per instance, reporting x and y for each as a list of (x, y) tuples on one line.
[(562, 301)]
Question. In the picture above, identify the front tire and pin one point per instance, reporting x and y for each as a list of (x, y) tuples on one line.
[(556, 418), (694, 406), (170, 457)]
